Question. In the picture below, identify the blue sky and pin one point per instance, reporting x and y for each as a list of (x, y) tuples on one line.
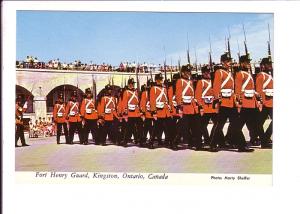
[(113, 37)]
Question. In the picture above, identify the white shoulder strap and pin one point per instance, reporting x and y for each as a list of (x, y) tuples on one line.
[(73, 106), (249, 77), (207, 88), (226, 80), (268, 80), (188, 85)]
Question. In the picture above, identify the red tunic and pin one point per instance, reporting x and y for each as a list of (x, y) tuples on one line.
[(72, 111), (59, 113), (224, 87), (264, 86), (204, 95), (185, 96)]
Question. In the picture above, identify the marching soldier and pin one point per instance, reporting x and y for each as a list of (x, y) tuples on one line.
[(121, 122), (146, 111), (107, 110), (245, 97), (131, 113), (223, 88), (74, 118), (187, 106), (90, 117), (160, 110), (19, 121), (264, 86), (205, 96), (176, 127), (59, 115)]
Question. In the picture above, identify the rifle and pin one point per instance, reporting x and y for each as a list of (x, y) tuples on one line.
[(165, 65), (269, 49), (137, 78), (94, 88), (239, 53), (171, 71), (196, 61), (188, 50), (269, 45), (210, 58), (246, 49)]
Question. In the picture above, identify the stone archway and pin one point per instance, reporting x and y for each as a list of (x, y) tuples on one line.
[(26, 96), (66, 90)]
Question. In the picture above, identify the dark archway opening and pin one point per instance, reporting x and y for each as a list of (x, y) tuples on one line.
[(66, 90), (26, 96)]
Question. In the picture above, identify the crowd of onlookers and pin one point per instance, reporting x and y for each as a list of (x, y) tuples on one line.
[(33, 63), (41, 128)]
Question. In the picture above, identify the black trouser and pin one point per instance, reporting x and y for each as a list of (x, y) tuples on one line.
[(133, 127), (20, 134), (60, 126), (189, 129), (109, 128), (203, 123), (176, 130), (147, 128), (263, 116), (234, 135), (75, 126), (247, 116), (162, 125), (90, 126)]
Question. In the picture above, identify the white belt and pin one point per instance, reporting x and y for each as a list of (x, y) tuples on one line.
[(160, 105), (148, 107), (187, 99), (131, 107), (174, 103), (208, 99), (88, 111), (59, 114), (249, 93), (107, 110), (269, 92), (72, 113), (226, 92)]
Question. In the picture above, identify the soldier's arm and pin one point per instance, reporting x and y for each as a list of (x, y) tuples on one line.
[(170, 96), (143, 102), (54, 113), (217, 84), (124, 102), (82, 108), (152, 100), (68, 108), (100, 108), (178, 94), (238, 86), (198, 92)]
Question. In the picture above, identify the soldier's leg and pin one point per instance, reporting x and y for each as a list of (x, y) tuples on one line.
[(186, 129), (66, 132), (17, 135), (72, 128), (239, 138), (102, 133), (217, 136), (79, 129), (94, 130), (205, 122), (196, 131), (59, 129), (129, 126), (269, 130)]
